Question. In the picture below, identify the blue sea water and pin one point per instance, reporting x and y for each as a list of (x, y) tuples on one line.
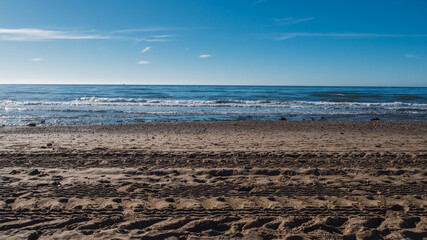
[(107, 104)]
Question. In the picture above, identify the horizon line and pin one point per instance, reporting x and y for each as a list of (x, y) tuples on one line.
[(225, 85)]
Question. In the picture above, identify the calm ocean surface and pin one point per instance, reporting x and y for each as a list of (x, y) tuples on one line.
[(102, 104)]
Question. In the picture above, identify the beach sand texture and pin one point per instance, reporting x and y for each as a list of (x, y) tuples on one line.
[(215, 180)]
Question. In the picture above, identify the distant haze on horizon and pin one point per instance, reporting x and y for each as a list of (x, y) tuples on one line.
[(204, 85), (214, 42)]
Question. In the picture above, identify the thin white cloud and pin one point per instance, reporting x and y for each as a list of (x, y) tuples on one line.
[(412, 56), (285, 36), (36, 59), (152, 29), (145, 50), (157, 38), (164, 36), (33, 34), (292, 20), (205, 55), (142, 62)]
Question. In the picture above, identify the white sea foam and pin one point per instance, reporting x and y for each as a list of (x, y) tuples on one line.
[(95, 101)]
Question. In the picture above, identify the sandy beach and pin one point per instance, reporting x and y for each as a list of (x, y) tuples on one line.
[(215, 180)]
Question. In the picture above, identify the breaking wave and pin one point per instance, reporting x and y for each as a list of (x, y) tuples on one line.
[(135, 102)]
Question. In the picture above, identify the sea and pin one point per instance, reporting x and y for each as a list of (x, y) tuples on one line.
[(123, 104)]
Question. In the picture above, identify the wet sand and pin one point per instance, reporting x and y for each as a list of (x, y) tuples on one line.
[(215, 180)]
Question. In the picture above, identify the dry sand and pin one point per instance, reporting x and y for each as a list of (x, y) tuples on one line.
[(215, 180)]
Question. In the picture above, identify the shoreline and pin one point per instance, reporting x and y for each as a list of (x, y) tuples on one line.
[(308, 122), (237, 118)]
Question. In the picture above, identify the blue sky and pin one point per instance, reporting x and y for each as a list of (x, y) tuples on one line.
[(237, 42)]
